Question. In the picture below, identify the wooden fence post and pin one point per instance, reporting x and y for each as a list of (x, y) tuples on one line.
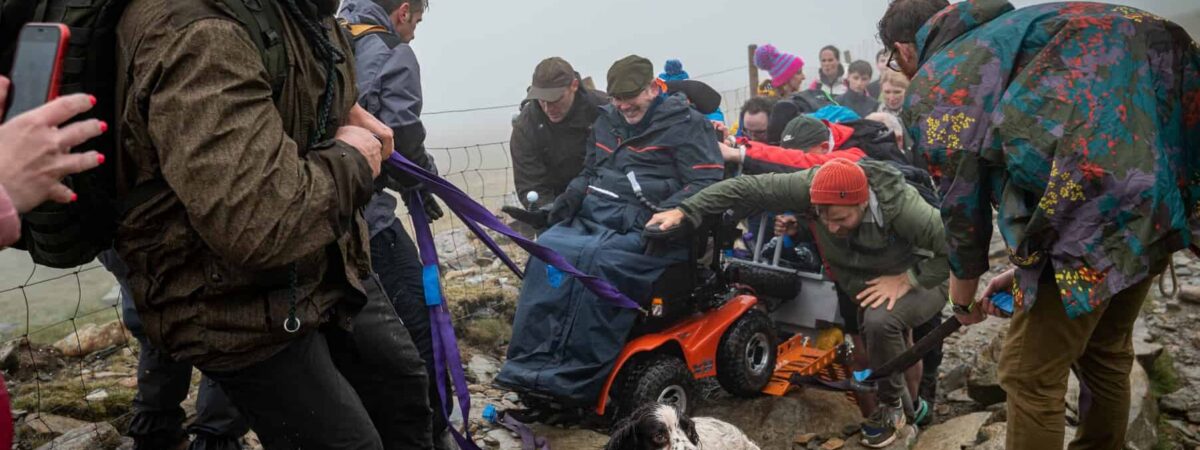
[(753, 72)]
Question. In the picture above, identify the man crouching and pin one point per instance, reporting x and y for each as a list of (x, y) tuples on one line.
[(884, 245)]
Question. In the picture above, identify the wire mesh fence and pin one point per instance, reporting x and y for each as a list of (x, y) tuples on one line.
[(69, 361)]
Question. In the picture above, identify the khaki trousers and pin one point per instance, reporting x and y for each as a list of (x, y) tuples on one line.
[(1041, 348)]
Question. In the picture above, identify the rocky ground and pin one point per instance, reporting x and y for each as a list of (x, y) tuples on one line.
[(76, 394)]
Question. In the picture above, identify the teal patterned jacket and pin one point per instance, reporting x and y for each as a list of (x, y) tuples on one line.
[(1079, 123)]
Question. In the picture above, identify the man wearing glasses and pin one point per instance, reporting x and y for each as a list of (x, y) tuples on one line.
[(1079, 124), (884, 244)]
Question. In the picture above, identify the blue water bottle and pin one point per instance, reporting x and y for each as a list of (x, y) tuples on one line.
[(1004, 302), (490, 414)]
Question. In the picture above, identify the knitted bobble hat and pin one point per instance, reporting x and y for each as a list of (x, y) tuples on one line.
[(782, 66)]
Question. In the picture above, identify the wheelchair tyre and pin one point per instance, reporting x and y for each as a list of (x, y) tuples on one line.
[(746, 356), (657, 378), (769, 283)]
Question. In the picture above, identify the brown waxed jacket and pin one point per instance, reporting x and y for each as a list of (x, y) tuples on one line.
[(240, 201)]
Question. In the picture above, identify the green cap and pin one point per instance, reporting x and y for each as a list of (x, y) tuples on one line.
[(551, 79), (804, 132), (629, 76)]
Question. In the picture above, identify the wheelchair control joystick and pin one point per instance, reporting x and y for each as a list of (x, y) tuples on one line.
[(531, 197)]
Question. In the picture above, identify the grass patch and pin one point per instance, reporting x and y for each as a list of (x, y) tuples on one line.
[(1163, 378), (487, 332), (66, 398)]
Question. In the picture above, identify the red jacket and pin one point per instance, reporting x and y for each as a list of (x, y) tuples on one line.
[(763, 158)]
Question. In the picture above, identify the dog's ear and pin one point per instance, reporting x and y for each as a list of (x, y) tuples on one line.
[(689, 428), (625, 436)]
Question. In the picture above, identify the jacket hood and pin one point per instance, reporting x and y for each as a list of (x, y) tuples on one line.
[(366, 11), (841, 134), (954, 21), (887, 183)]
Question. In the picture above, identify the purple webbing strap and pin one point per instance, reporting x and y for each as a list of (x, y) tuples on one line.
[(445, 345), (446, 356), (471, 211)]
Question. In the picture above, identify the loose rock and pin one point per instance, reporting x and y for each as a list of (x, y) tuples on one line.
[(92, 338), (983, 384), (805, 438), (52, 424), (87, 437), (954, 433), (97, 395), (1190, 294), (483, 368), (833, 444), (8, 355)]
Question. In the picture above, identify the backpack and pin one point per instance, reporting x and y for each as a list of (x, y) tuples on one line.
[(69, 235), (879, 143), (806, 102)]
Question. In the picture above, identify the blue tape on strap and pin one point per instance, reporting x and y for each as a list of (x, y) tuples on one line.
[(861, 375), (431, 278), (554, 276)]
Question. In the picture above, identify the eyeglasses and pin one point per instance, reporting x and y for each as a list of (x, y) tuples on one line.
[(892, 63)]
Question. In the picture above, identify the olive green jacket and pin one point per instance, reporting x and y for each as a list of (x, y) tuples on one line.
[(243, 202), (900, 233)]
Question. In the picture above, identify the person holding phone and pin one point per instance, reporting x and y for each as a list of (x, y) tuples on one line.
[(34, 156)]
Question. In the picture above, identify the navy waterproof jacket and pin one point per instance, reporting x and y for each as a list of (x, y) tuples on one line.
[(389, 87)]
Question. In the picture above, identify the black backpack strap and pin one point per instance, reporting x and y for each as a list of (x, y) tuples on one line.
[(264, 25)]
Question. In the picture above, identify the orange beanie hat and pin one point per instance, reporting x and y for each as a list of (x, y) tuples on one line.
[(839, 182)]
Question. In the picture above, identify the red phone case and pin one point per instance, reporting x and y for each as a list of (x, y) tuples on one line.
[(56, 74)]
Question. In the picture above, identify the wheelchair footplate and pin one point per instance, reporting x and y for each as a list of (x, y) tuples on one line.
[(797, 358)]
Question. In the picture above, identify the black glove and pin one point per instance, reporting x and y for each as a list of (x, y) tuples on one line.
[(537, 218), (564, 207), (432, 209)]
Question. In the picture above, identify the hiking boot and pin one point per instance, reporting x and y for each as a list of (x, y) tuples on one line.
[(883, 427), (922, 413)]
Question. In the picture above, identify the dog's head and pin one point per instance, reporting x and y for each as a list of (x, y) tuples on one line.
[(655, 427)]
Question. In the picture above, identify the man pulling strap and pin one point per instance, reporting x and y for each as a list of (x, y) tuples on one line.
[(253, 226)]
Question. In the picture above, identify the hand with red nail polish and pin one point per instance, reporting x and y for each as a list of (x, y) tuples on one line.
[(35, 149)]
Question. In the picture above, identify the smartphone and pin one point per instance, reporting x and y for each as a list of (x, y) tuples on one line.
[(37, 67)]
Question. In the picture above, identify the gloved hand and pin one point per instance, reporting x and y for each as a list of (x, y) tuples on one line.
[(564, 207), (537, 218), (432, 209)]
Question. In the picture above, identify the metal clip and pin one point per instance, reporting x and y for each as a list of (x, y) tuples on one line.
[(291, 324)]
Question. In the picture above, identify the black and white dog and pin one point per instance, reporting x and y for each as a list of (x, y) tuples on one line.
[(659, 427)]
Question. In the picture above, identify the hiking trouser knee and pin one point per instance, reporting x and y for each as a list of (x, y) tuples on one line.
[(394, 258), (381, 362), (885, 334), (1041, 348)]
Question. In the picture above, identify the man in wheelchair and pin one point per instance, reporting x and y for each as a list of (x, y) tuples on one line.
[(649, 151), (884, 245)]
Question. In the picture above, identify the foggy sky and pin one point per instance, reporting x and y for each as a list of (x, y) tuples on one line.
[(482, 52)]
